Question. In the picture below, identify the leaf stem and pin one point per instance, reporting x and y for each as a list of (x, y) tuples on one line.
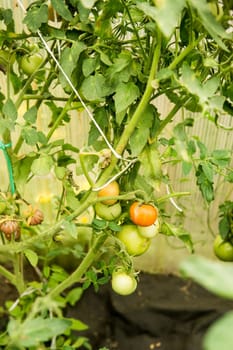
[(172, 195)]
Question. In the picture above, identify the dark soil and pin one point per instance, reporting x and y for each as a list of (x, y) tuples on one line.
[(165, 313)]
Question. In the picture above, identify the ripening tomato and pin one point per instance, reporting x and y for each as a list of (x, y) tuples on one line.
[(108, 212), (123, 283), (29, 64), (223, 249), (135, 243), (111, 190), (143, 214), (149, 231)]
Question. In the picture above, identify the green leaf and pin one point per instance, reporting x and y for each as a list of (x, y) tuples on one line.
[(208, 171), (166, 14), (126, 94), (36, 16), (77, 325), (179, 232), (9, 110), (95, 87), (224, 227), (214, 27), (121, 70), (138, 140), (219, 334), (89, 66), (32, 136), (33, 331), (70, 228), (205, 185), (74, 295), (221, 157), (62, 9), (42, 165), (186, 167), (101, 117), (22, 170), (151, 166), (69, 60), (141, 134), (31, 115), (88, 3), (203, 149), (211, 86), (31, 256), (213, 275)]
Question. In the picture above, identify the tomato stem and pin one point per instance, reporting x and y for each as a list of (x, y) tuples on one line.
[(81, 269)]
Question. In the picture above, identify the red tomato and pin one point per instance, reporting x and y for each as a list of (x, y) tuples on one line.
[(143, 214)]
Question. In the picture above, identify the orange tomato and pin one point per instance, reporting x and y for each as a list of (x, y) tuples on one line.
[(143, 214), (111, 190)]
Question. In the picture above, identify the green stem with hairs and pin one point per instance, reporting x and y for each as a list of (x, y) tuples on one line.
[(82, 268), (172, 195), (129, 129), (8, 275)]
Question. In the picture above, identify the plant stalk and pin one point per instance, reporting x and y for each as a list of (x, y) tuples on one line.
[(81, 269)]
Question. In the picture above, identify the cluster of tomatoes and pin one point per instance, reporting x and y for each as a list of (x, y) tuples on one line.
[(135, 235)]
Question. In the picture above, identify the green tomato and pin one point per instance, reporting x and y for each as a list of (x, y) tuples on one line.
[(149, 231), (123, 283), (135, 243), (108, 212), (29, 64), (223, 249)]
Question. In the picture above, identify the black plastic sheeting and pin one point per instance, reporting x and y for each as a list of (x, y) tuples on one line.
[(165, 313)]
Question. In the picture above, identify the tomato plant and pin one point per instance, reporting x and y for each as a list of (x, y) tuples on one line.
[(111, 62), (123, 283), (143, 214), (134, 243)]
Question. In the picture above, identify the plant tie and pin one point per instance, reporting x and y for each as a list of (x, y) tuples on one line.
[(4, 147)]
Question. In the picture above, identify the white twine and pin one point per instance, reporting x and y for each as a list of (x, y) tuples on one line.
[(173, 201), (118, 156)]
